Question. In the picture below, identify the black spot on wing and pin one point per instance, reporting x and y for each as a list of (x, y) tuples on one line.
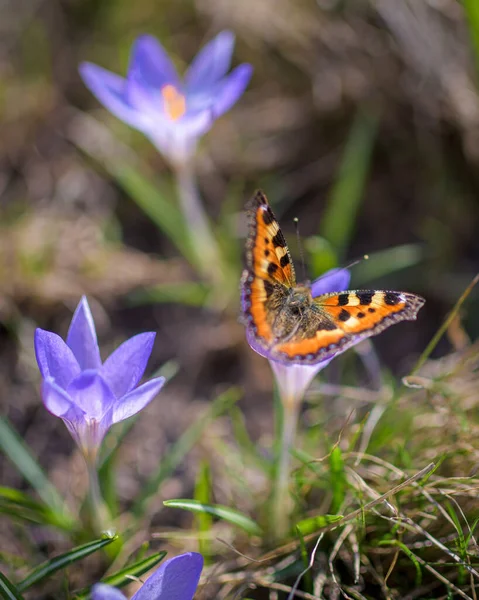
[(279, 241), (272, 268), (268, 216), (344, 315), (391, 299), (361, 315), (365, 298), (284, 261), (371, 310), (343, 299)]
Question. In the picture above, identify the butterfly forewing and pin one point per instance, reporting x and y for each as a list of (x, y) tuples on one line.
[(269, 268), (268, 255)]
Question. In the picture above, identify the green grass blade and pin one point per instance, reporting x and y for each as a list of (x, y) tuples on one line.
[(152, 200), (19, 454), (248, 449), (345, 197), (187, 292), (442, 330), (312, 524), (7, 590), (307, 577), (18, 504), (471, 10), (235, 517), (388, 261), (412, 557), (204, 520), (182, 446), (338, 478), (124, 576), (62, 561)]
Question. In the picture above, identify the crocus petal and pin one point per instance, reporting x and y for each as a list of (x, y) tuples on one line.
[(231, 89), (54, 358), (102, 591), (133, 402), (211, 63), (335, 280), (59, 402), (293, 380), (125, 367), (82, 337), (150, 64), (110, 89), (90, 392), (178, 142), (175, 579)]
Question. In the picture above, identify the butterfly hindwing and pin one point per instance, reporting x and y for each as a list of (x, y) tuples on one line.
[(352, 316)]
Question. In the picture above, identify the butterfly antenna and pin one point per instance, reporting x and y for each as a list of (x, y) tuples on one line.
[(300, 248), (356, 262)]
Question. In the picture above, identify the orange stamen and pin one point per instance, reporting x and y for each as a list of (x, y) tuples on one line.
[(175, 103)]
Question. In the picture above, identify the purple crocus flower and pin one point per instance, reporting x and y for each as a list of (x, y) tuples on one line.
[(173, 113), (90, 396), (175, 579)]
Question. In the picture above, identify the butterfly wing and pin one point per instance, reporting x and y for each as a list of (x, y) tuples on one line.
[(337, 321), (269, 269)]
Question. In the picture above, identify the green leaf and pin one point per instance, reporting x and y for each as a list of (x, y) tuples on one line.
[(313, 524), (182, 446), (63, 560), (20, 455), (124, 577), (235, 517), (343, 203), (7, 590)]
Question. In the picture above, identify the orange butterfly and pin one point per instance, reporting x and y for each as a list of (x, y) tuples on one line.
[(283, 319)]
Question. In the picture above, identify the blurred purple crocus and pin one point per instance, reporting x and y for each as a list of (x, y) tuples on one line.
[(173, 113), (90, 396), (175, 579)]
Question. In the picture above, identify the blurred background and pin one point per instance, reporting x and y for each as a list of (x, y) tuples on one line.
[(362, 120)]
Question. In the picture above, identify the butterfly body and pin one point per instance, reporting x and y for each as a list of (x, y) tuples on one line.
[(284, 320)]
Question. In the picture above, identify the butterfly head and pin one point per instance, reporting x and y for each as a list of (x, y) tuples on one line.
[(299, 297)]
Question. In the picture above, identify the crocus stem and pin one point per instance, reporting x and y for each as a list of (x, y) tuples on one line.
[(99, 511), (282, 501), (205, 247)]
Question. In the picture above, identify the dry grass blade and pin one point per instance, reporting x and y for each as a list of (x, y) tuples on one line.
[(286, 548)]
